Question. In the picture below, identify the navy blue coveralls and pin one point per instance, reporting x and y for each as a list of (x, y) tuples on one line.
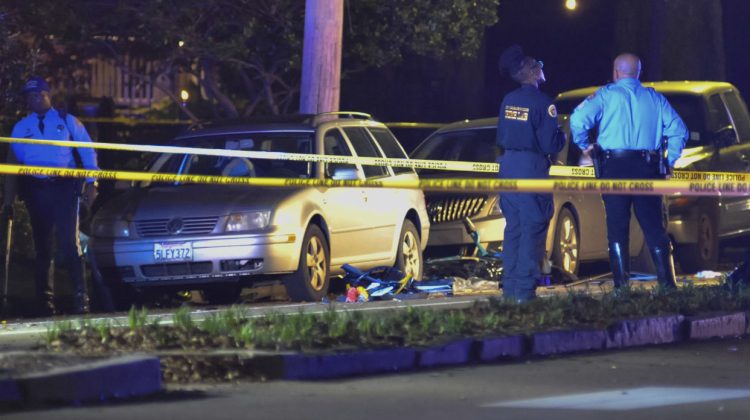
[(527, 130)]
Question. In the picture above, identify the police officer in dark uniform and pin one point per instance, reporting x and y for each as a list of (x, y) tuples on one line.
[(52, 202), (633, 122), (527, 130)]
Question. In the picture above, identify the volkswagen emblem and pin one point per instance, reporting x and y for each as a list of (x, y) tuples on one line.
[(174, 226)]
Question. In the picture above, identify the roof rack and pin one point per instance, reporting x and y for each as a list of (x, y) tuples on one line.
[(346, 114)]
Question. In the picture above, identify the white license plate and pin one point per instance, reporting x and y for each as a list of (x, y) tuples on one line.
[(170, 252)]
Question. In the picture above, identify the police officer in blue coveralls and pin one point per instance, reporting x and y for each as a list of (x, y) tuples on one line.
[(632, 122), (52, 202), (527, 130)]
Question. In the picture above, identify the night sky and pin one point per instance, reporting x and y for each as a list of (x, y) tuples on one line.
[(577, 49)]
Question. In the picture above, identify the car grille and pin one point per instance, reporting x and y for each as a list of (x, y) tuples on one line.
[(189, 226), (177, 269), (442, 208)]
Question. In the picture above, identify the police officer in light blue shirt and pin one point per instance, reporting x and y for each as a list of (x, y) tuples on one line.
[(632, 121), (528, 133), (52, 202)]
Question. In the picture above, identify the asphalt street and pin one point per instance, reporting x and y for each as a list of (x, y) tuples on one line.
[(689, 381)]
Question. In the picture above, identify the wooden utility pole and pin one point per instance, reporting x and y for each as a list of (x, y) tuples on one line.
[(321, 56)]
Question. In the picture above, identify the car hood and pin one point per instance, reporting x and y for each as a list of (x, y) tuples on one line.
[(193, 201)]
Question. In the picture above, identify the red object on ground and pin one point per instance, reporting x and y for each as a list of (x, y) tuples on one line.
[(351, 295)]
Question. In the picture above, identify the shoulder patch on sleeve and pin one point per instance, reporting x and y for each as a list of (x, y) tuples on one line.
[(552, 111)]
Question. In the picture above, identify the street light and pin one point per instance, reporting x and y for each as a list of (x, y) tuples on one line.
[(184, 95), (571, 4)]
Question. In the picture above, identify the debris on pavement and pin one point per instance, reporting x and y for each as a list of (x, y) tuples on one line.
[(385, 283)]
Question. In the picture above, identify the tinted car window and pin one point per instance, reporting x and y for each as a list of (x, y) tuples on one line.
[(566, 106), (364, 146), (717, 113), (390, 147), (334, 145), (237, 166), (692, 110), (477, 145), (738, 109)]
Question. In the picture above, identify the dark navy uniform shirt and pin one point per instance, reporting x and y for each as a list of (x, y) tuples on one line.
[(528, 132)]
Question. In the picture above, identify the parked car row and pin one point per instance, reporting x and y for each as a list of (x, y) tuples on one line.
[(219, 238)]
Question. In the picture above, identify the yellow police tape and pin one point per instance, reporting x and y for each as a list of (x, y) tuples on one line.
[(639, 187), (462, 166)]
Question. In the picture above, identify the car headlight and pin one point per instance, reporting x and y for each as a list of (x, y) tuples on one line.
[(240, 222), (111, 228), (495, 209)]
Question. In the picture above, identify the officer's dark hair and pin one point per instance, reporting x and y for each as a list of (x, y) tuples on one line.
[(516, 64), (524, 73)]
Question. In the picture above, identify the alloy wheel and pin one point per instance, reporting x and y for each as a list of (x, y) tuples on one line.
[(316, 263), (411, 254), (568, 244)]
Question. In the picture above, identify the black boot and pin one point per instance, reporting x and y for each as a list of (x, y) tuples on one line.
[(662, 256), (77, 272), (45, 294), (619, 262)]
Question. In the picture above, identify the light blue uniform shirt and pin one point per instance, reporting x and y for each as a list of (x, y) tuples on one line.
[(631, 117), (55, 128)]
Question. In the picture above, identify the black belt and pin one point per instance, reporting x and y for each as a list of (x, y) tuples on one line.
[(628, 153)]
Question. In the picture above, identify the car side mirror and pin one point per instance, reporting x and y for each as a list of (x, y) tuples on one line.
[(725, 137), (344, 173)]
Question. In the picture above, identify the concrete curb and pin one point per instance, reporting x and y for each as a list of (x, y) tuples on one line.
[(494, 349), (457, 352), (338, 365), (116, 378), (621, 334), (571, 341), (645, 331), (717, 326), (141, 375), (10, 392)]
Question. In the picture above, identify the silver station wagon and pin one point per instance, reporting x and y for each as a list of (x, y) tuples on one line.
[(577, 230), (219, 238)]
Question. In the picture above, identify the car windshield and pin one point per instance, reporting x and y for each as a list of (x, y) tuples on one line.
[(196, 164), (474, 145), (692, 110), (566, 106)]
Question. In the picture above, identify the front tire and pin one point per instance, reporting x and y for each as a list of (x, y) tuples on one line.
[(565, 249), (703, 255), (409, 258), (310, 282)]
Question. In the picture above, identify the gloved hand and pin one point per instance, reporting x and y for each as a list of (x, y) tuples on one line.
[(7, 211)]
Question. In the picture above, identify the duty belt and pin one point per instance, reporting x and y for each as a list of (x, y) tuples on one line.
[(628, 153)]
